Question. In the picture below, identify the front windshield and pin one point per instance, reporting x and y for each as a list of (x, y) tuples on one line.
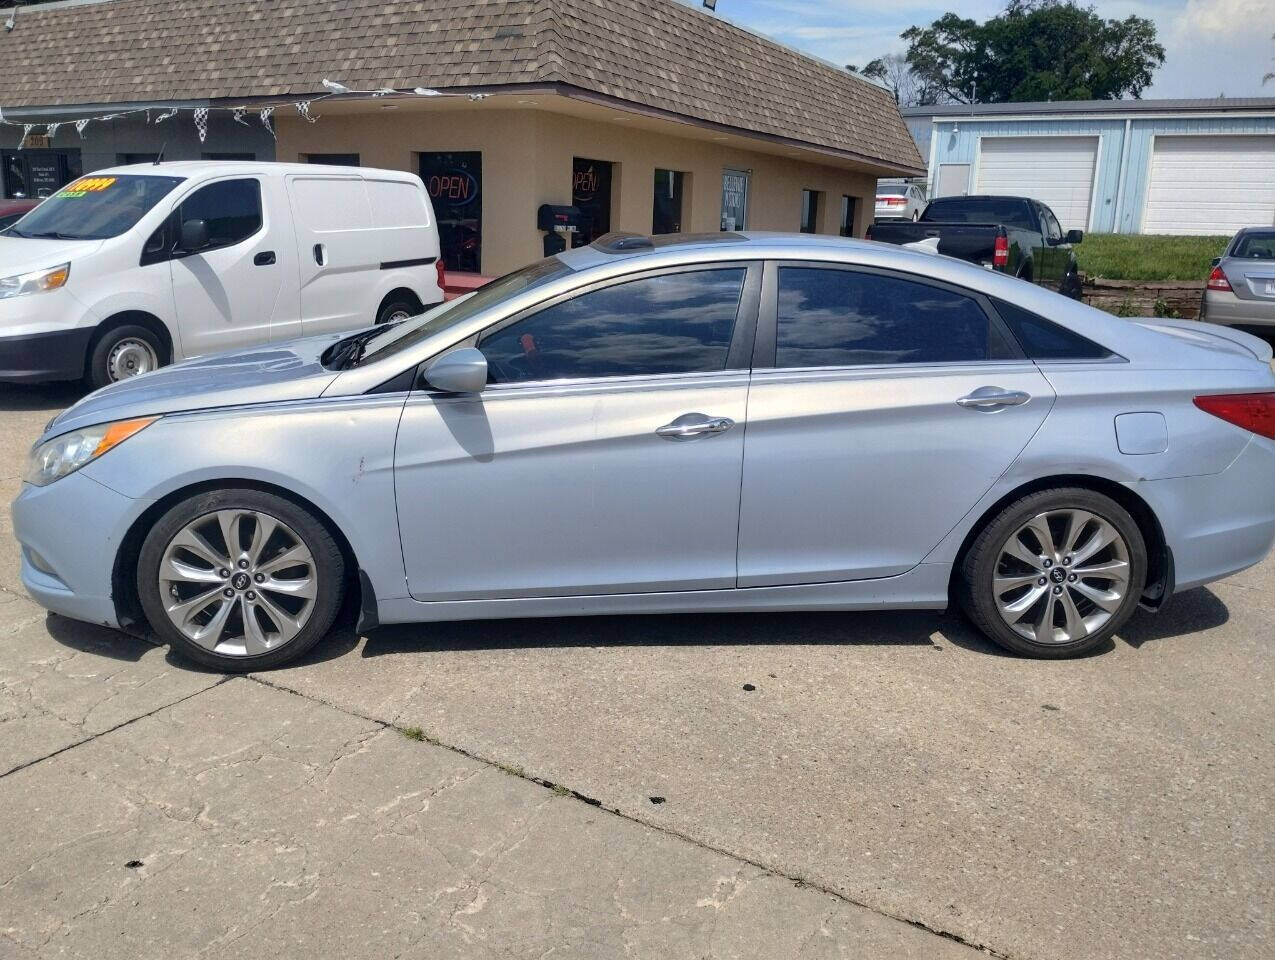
[(94, 208), (410, 332)]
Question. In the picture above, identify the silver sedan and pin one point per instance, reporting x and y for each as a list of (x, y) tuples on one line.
[(719, 423), (1241, 289)]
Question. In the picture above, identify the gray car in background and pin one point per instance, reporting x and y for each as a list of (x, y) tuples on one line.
[(1241, 288), (733, 422)]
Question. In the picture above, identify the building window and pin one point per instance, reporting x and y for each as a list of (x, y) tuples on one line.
[(848, 207), (251, 156), (734, 199), (591, 193), (36, 174), (455, 185), (809, 211), (332, 159), (667, 205)]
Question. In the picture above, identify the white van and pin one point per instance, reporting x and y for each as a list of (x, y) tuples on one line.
[(131, 268)]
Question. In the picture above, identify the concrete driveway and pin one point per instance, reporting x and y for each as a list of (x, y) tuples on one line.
[(715, 786)]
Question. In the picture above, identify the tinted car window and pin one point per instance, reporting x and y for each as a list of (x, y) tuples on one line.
[(231, 208), (675, 323), (1043, 339), (1008, 211), (1255, 246), (830, 318)]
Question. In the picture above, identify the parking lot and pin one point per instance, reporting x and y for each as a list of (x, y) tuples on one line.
[(713, 786)]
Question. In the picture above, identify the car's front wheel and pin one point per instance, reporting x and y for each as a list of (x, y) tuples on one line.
[(122, 352), (240, 579), (1055, 574)]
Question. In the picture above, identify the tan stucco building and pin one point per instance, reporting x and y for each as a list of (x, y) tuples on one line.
[(643, 115)]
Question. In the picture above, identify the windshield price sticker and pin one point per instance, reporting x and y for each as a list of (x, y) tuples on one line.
[(86, 186)]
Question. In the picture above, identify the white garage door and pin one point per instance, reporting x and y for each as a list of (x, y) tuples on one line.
[(1210, 185), (1057, 171)]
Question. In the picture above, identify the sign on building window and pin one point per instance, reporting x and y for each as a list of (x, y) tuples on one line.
[(734, 199), (455, 184)]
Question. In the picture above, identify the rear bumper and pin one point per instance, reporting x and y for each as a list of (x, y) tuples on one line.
[(1218, 525), (38, 357), (1218, 306)]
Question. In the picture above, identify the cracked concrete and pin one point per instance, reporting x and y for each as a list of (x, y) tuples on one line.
[(830, 786)]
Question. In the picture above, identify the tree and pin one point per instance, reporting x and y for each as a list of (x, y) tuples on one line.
[(910, 89), (1034, 50)]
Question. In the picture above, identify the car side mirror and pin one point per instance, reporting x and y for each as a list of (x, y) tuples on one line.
[(1075, 236), (1215, 262), (194, 236), (460, 371)]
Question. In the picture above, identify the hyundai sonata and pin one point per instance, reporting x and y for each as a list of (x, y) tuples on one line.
[(720, 423)]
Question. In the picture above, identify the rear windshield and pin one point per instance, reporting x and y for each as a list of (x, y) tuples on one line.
[(1009, 211), (94, 208), (1255, 246)]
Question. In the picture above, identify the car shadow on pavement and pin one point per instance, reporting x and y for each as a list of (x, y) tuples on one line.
[(98, 640), (910, 628), (1191, 612), (16, 397)]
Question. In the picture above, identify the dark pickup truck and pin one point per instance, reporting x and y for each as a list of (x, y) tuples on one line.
[(1012, 235)]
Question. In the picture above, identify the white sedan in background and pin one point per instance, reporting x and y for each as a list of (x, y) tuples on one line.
[(899, 201)]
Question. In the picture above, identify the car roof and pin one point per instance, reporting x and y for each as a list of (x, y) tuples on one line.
[(195, 168)]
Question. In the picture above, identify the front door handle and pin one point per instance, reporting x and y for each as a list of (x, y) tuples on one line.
[(994, 398), (264, 259), (691, 425), (320, 254)]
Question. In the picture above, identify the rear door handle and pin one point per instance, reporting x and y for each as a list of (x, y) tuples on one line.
[(320, 254), (264, 259), (691, 425), (993, 398)]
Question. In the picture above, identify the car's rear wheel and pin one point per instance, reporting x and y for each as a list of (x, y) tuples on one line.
[(240, 579), (1055, 574)]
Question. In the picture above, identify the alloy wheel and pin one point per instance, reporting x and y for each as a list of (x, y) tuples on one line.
[(1061, 576), (130, 357), (239, 583)]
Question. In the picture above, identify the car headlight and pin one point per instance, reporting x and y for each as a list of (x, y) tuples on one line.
[(56, 458), (38, 281)]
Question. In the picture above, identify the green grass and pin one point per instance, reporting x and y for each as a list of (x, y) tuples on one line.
[(1131, 256)]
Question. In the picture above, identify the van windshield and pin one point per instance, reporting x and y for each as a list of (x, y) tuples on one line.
[(94, 208)]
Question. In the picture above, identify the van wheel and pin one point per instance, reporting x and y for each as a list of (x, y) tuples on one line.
[(123, 352), (396, 309)]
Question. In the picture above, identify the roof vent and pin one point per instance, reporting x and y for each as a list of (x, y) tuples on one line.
[(622, 242)]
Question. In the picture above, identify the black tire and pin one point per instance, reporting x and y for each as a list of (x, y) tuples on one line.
[(98, 373), (974, 583), (328, 562), (397, 305)]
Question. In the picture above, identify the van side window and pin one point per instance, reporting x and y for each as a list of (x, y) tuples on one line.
[(231, 208)]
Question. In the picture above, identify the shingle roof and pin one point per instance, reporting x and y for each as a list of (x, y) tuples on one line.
[(659, 54)]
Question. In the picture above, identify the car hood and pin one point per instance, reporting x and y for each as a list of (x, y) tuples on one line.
[(270, 373), (19, 255)]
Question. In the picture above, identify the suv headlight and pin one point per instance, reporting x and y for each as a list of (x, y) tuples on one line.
[(38, 281), (56, 458)]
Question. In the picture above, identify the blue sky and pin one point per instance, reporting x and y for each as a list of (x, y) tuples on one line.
[(1211, 46)]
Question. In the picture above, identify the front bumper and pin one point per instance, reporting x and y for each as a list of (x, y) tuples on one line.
[(39, 357), (70, 533)]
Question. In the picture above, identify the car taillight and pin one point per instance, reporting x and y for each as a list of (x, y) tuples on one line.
[(894, 201), (1218, 281), (442, 273), (1000, 255), (1252, 411)]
